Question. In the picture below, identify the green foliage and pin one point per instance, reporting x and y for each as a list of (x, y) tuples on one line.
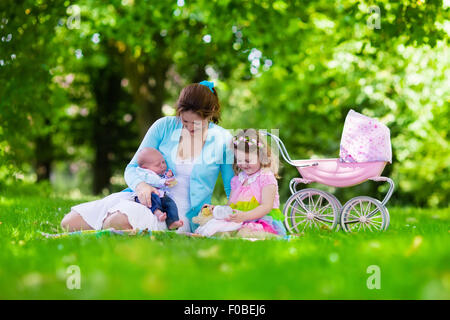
[(337, 64), (81, 93)]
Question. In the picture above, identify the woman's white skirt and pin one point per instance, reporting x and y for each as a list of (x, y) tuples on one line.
[(139, 216)]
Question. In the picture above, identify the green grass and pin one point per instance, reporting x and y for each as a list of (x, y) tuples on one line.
[(413, 256)]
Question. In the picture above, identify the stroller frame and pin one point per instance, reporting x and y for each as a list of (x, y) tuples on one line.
[(326, 211)]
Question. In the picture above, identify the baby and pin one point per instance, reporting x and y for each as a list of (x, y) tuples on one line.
[(152, 170)]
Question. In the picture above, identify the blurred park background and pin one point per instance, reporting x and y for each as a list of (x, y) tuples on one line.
[(81, 82)]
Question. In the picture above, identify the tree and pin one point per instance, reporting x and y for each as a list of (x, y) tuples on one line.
[(107, 70)]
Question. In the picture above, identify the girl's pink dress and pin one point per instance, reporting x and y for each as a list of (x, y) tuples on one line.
[(248, 197)]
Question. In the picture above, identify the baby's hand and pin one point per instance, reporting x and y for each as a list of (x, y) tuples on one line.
[(171, 182)]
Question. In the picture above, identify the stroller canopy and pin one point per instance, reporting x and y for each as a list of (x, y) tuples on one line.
[(364, 140)]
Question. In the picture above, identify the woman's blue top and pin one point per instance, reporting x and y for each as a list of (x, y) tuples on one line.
[(216, 156)]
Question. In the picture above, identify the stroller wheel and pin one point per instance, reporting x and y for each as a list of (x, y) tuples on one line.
[(364, 213), (311, 208)]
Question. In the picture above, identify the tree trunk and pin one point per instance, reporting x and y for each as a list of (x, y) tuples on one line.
[(44, 156), (147, 77), (107, 90)]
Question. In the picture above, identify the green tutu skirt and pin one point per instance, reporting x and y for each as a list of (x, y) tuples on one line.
[(275, 217), (275, 213)]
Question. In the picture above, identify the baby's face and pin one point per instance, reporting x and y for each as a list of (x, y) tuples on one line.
[(155, 163)]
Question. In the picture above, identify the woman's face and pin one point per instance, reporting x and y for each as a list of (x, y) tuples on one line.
[(247, 162), (192, 122)]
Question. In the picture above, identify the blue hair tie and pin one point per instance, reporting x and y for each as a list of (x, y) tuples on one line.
[(209, 84)]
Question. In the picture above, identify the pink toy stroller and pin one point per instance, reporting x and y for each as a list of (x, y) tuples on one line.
[(365, 150)]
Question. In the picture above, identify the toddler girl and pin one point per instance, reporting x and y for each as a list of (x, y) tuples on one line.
[(254, 194)]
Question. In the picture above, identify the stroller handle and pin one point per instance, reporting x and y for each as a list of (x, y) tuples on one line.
[(284, 152)]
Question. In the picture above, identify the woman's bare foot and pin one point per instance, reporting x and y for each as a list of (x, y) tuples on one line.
[(176, 225), (160, 215)]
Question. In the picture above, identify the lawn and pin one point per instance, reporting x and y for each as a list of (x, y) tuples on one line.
[(413, 257)]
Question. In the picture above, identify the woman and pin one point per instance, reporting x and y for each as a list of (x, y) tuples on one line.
[(194, 147)]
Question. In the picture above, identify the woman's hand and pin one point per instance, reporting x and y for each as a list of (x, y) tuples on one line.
[(237, 216), (144, 193)]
